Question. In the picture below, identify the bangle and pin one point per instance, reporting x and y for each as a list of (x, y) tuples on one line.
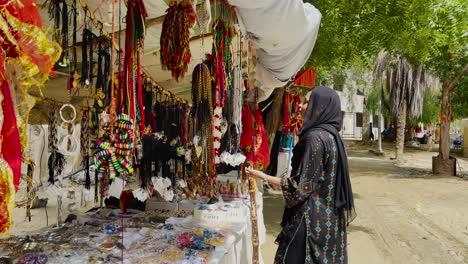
[(73, 115)]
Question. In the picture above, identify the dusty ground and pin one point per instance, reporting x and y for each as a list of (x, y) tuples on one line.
[(405, 215)]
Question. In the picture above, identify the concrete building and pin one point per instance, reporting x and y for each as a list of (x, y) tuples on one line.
[(353, 107), (464, 125)]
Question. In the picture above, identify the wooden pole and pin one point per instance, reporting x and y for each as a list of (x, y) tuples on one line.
[(380, 117), (29, 188), (253, 214)]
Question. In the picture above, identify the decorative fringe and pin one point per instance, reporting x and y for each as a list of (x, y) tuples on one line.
[(55, 165)]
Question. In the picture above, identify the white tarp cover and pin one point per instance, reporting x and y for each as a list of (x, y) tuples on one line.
[(283, 31)]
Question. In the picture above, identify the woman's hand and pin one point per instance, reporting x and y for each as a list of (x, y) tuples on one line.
[(256, 174)]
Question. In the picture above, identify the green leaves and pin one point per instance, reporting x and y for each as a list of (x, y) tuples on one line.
[(431, 32)]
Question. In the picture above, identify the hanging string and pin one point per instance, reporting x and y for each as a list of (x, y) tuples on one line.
[(74, 37), (112, 110), (55, 15), (64, 35), (84, 142), (87, 55)]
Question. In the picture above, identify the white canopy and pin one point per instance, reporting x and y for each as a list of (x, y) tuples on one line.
[(284, 33)]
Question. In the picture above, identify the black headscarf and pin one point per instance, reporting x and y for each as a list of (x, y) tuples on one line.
[(324, 112)]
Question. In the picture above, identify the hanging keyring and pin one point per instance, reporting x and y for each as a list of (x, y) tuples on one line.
[(70, 121)]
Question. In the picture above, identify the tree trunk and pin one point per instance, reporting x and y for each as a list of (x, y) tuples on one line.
[(400, 129), (444, 164), (446, 118)]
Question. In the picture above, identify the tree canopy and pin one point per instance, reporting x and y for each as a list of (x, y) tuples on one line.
[(431, 32)]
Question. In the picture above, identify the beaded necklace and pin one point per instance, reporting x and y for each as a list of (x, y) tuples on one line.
[(202, 115)]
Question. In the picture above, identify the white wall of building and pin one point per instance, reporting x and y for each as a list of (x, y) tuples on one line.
[(352, 105)]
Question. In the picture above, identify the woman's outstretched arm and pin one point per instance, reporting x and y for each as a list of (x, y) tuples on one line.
[(263, 176)]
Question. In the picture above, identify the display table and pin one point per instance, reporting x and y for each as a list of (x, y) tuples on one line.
[(97, 238)]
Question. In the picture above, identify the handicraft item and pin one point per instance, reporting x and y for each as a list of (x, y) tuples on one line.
[(175, 43)]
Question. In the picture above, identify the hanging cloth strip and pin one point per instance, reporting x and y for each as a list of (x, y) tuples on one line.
[(262, 152), (248, 134), (11, 148)]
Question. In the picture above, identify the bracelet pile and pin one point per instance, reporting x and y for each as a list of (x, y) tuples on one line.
[(113, 153)]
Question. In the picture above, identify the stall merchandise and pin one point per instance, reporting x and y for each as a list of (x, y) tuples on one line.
[(175, 48), (114, 148), (148, 237)]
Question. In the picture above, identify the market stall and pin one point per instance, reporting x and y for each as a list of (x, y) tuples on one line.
[(136, 146), (98, 237)]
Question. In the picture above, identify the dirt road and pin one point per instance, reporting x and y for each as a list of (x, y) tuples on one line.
[(405, 215)]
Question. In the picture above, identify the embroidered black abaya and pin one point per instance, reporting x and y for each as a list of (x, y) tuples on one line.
[(318, 195)]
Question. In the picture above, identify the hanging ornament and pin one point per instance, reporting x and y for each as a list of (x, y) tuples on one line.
[(202, 113), (58, 13), (56, 161), (87, 56), (219, 81), (74, 76), (262, 152), (85, 145), (248, 134), (287, 103), (113, 153), (131, 80), (224, 32), (296, 114), (103, 67), (175, 38)]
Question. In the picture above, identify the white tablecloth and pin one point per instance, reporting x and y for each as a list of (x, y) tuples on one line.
[(238, 248)]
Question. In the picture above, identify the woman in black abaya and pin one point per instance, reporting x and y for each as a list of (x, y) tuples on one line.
[(318, 195)]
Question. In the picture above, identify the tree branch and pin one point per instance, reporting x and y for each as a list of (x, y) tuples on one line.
[(452, 84)]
